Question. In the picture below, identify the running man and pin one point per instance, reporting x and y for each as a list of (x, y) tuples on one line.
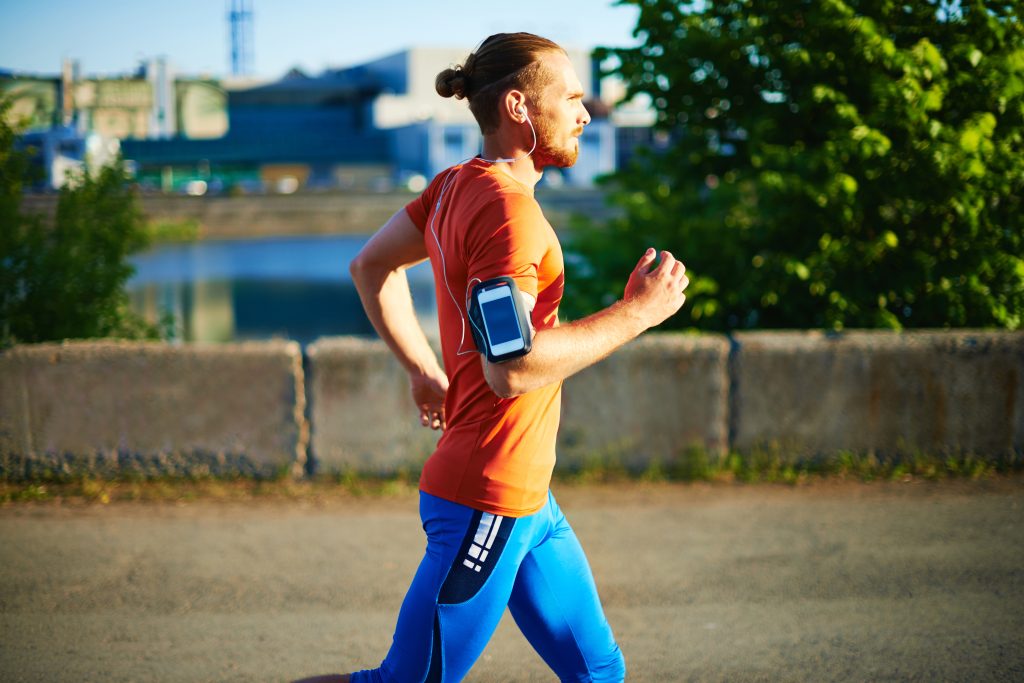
[(495, 535)]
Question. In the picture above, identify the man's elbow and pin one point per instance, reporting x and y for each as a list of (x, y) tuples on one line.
[(504, 380), (358, 266), (503, 389), (365, 269)]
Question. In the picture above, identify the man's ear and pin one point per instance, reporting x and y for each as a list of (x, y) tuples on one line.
[(515, 105)]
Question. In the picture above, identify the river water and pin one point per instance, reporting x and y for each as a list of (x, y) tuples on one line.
[(232, 290)]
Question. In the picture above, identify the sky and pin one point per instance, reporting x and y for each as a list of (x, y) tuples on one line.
[(111, 37)]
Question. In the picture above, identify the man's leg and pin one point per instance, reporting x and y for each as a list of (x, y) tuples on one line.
[(555, 604), (458, 594)]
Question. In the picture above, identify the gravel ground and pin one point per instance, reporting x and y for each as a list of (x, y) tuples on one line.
[(829, 581)]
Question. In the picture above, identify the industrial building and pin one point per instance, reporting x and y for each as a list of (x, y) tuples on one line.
[(372, 126)]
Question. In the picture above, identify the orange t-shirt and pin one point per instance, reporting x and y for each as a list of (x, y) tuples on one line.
[(496, 454)]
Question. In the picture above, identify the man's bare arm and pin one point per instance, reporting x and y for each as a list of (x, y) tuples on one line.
[(651, 296), (378, 272)]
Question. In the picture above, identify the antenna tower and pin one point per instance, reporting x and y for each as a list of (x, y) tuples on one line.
[(240, 22)]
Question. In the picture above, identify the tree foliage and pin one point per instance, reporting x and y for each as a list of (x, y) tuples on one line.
[(66, 280), (831, 164)]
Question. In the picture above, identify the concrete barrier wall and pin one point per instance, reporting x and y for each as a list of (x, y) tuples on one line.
[(809, 393), (653, 399), (150, 408), (361, 409), (104, 407)]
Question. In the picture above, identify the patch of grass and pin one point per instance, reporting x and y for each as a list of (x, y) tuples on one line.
[(766, 465), (594, 471), (769, 465), (173, 230), (360, 484), (606, 465), (774, 465), (12, 493), (185, 489), (94, 490)]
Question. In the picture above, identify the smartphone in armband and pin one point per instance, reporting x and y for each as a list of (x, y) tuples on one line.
[(499, 320)]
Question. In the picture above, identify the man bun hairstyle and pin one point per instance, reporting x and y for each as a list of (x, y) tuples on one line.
[(452, 83), (502, 62)]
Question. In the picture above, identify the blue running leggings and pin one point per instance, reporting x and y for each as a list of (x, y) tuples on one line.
[(475, 564)]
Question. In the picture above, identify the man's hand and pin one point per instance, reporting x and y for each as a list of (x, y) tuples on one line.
[(657, 293), (428, 392)]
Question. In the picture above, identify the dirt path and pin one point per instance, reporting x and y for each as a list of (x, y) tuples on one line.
[(824, 582)]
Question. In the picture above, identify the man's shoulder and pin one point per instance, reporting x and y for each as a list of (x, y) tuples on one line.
[(495, 194), (495, 187)]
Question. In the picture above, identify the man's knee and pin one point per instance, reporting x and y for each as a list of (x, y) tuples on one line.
[(611, 670)]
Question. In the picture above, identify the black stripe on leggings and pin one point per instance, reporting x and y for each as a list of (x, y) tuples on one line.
[(480, 551)]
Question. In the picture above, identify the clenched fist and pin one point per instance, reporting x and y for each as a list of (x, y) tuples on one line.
[(657, 292)]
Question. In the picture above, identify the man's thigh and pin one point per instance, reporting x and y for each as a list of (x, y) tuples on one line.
[(556, 605)]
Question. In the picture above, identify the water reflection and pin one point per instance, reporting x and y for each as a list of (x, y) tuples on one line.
[(296, 288)]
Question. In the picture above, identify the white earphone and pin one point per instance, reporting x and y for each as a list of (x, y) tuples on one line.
[(521, 109)]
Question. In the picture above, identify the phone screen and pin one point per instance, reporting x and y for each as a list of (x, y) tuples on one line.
[(501, 320)]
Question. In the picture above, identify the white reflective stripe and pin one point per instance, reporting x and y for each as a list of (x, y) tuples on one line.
[(485, 526), (486, 532), (494, 531)]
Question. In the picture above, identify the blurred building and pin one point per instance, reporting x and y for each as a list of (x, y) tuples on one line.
[(297, 131), (371, 126), (75, 122)]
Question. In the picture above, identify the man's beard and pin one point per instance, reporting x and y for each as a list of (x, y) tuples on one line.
[(546, 155)]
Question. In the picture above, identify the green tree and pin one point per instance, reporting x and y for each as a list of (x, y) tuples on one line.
[(831, 164), (66, 280)]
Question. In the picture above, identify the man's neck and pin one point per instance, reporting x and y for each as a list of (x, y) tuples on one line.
[(523, 170)]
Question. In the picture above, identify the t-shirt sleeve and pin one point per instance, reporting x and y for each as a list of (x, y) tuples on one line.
[(419, 208), (508, 238)]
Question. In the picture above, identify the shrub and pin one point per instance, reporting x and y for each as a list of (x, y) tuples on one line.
[(830, 164), (66, 280)]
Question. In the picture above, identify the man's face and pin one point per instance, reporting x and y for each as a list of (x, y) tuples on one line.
[(559, 115)]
